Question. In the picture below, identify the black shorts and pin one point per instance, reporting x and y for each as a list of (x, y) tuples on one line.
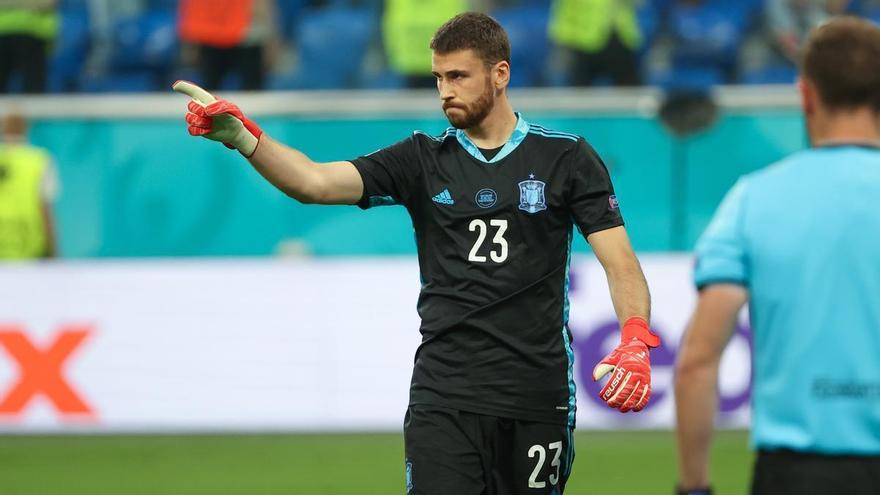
[(794, 473), (451, 452)]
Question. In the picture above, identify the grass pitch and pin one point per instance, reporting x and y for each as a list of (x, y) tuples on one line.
[(334, 464)]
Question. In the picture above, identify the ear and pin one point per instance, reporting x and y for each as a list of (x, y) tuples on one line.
[(501, 75), (808, 95)]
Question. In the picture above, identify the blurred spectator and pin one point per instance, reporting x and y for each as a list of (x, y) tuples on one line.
[(27, 28), (28, 187), (237, 36), (789, 21), (599, 38), (407, 28)]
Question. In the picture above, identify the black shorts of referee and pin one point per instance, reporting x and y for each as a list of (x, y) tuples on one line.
[(786, 472)]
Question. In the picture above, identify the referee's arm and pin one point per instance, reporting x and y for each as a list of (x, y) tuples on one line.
[(629, 290), (696, 378)]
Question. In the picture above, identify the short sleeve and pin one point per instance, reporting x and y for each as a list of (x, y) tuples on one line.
[(594, 206), (388, 174), (721, 250)]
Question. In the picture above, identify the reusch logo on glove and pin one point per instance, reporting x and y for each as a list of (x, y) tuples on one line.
[(614, 383)]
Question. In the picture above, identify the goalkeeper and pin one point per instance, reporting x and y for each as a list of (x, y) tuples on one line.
[(800, 242), (493, 202)]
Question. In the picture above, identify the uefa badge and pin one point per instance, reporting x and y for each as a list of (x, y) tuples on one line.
[(531, 195), (613, 203)]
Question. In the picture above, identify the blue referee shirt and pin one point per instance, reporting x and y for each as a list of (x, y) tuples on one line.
[(803, 235)]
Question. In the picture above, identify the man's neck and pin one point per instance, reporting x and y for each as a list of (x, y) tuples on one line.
[(855, 127), (495, 130)]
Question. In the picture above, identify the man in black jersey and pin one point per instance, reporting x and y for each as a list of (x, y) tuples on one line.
[(493, 201)]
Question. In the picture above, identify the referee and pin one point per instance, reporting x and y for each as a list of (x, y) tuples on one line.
[(494, 201), (800, 243)]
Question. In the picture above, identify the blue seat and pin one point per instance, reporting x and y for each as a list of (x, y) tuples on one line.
[(687, 79), (383, 79), (332, 44), (540, 4), (124, 82), (162, 4), (650, 19), (748, 8), (289, 12), (527, 30), (771, 74), (872, 14), (71, 50), (707, 34), (146, 41), (73, 5)]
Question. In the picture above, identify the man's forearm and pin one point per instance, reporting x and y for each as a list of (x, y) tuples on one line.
[(286, 168), (696, 397), (289, 170), (696, 378), (629, 293)]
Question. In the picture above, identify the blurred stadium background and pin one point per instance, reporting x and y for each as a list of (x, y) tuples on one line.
[(202, 333)]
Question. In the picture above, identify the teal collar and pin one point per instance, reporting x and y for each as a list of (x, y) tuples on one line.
[(519, 133)]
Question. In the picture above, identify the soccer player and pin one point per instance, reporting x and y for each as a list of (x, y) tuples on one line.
[(493, 202), (800, 242)]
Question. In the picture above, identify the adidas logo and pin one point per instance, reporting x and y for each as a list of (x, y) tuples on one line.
[(444, 198)]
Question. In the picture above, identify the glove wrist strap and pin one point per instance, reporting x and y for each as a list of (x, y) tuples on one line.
[(636, 327), (246, 143)]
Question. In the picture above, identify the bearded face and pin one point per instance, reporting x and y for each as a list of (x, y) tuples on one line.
[(467, 85), (466, 115)]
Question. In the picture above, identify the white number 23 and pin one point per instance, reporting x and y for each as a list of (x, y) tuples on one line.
[(479, 226)]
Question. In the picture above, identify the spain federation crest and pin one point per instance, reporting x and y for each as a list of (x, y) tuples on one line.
[(531, 195)]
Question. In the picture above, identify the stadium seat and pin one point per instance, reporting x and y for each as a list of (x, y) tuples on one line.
[(688, 78), (289, 12), (707, 35), (163, 4), (652, 16), (73, 5), (124, 82), (146, 41), (771, 74), (383, 79), (71, 50), (527, 29), (873, 14), (650, 19), (540, 4), (332, 43)]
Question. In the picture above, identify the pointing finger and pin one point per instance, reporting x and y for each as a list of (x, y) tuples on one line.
[(193, 91)]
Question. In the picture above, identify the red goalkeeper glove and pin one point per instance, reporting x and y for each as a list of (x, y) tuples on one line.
[(629, 387), (219, 120)]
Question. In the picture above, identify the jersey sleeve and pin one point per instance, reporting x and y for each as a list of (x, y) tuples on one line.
[(388, 174), (721, 250), (593, 204)]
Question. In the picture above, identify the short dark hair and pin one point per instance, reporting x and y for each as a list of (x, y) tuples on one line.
[(842, 58), (473, 31)]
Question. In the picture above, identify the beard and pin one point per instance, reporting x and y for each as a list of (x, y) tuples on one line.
[(474, 113)]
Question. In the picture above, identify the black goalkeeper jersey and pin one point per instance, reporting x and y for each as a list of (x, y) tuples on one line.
[(494, 244)]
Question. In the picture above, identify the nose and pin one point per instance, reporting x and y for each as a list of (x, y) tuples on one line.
[(444, 89)]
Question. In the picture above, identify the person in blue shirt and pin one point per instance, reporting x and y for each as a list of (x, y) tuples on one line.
[(800, 243)]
